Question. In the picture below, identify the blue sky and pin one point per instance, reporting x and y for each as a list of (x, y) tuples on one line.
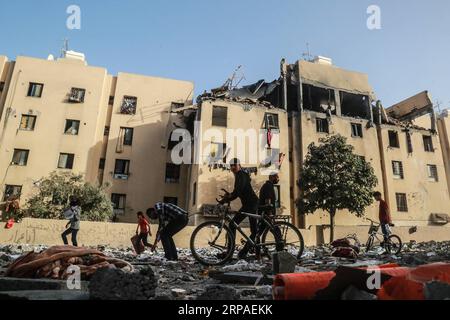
[(205, 40)]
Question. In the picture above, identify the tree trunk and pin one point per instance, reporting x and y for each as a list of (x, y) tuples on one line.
[(332, 214)]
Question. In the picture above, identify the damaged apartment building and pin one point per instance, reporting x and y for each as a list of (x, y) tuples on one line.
[(313, 99), (118, 130)]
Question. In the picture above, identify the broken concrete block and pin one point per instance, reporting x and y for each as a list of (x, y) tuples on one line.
[(264, 291), (283, 262), (178, 293), (219, 292), (115, 284), (352, 293), (436, 290)]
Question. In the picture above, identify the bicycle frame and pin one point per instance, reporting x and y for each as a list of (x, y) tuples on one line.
[(228, 218), (374, 234)]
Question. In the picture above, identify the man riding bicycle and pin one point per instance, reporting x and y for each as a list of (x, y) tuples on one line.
[(244, 191)]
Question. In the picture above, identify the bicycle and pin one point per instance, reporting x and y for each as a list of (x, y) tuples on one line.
[(213, 243), (393, 244)]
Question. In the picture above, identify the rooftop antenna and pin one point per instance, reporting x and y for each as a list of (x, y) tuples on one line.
[(437, 105), (230, 81), (307, 55), (65, 47)]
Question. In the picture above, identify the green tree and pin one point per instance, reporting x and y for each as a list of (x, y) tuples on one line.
[(334, 178), (54, 193)]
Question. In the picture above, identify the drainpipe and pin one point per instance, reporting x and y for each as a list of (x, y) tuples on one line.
[(382, 152), (283, 69)]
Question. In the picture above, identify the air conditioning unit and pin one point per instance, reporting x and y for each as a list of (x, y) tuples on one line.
[(121, 176), (75, 98)]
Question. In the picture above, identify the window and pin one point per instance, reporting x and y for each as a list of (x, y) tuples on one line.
[(432, 172), (218, 152), (35, 90), (194, 194), (127, 136), (111, 100), (172, 173), (322, 125), (272, 121), (101, 164), (172, 200), (176, 105), (397, 169), (272, 157), (119, 202), (27, 122), (357, 130), (402, 204), (20, 157), (77, 95), (219, 116), (122, 169), (72, 127), (129, 105), (2, 86), (66, 160), (12, 191), (106, 132), (393, 139), (428, 143)]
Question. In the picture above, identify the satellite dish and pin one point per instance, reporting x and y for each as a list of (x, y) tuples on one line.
[(51, 57)]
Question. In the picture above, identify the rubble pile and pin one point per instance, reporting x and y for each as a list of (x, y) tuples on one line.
[(125, 275), (116, 284)]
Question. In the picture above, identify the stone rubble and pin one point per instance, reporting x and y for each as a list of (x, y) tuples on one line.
[(189, 280)]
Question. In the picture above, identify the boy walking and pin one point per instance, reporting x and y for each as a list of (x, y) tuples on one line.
[(144, 228)]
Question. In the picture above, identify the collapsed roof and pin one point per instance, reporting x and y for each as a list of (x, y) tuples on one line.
[(411, 108), (261, 92)]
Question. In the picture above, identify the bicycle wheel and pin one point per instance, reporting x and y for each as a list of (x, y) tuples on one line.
[(292, 239), (212, 245), (394, 245), (369, 243)]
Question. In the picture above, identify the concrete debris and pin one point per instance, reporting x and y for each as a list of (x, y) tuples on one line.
[(219, 292), (249, 279), (178, 293), (283, 262), (115, 284)]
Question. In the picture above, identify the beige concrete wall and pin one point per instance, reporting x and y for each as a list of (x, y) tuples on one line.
[(146, 184), (48, 140), (424, 197), (48, 232), (211, 181), (366, 146), (444, 136)]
